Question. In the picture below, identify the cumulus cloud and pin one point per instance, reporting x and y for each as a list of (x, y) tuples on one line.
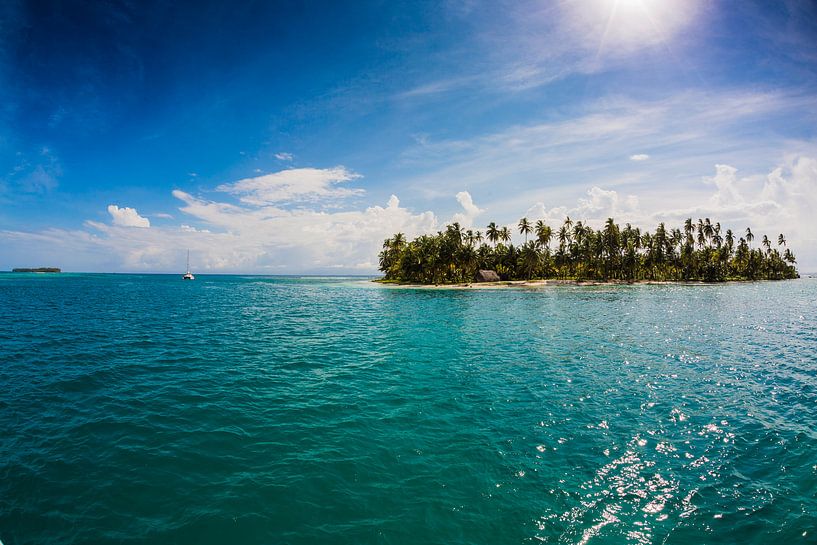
[(470, 210), (127, 217), (594, 208), (284, 156), (727, 183), (639, 157), (227, 237), (295, 185), (243, 237), (303, 239), (782, 201)]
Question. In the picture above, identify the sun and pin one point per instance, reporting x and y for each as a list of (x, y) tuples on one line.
[(627, 25)]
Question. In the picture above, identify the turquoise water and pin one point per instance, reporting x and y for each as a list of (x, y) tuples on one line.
[(252, 410)]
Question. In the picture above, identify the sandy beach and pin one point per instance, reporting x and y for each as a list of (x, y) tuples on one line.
[(535, 284)]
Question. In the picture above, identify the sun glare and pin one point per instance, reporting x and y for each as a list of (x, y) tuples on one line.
[(626, 25)]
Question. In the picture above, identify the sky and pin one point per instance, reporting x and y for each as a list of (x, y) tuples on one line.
[(293, 137)]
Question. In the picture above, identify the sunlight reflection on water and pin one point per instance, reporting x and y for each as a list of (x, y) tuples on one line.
[(286, 410)]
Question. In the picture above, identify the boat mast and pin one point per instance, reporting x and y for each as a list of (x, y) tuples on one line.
[(188, 261)]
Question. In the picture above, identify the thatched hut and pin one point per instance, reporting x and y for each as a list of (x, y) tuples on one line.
[(487, 276)]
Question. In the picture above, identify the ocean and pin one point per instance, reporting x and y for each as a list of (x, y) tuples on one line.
[(285, 410)]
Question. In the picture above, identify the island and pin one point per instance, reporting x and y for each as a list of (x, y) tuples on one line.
[(574, 252), (38, 270)]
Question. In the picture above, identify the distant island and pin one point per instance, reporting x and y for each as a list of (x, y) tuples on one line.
[(38, 270), (699, 251)]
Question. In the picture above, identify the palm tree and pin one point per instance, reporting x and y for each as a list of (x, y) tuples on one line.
[(749, 236), (767, 243), (524, 228), (578, 232), (563, 237), (717, 239), (730, 239), (492, 232), (708, 230), (469, 238), (610, 245), (543, 234), (450, 254), (455, 231), (529, 259)]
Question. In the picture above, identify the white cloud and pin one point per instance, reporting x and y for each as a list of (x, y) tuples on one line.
[(782, 201), (284, 156), (127, 217), (295, 185), (470, 210), (726, 182), (191, 229), (304, 239), (557, 161), (594, 208), (639, 157), (244, 237), (230, 238)]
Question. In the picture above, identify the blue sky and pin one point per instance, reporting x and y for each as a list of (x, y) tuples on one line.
[(293, 137)]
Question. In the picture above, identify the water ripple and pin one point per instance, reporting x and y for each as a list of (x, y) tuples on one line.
[(302, 410)]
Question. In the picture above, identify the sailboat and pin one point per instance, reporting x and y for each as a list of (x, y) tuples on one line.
[(188, 275)]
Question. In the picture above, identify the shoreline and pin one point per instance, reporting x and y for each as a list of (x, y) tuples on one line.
[(536, 284)]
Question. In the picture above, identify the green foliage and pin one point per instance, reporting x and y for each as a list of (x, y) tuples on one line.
[(696, 252)]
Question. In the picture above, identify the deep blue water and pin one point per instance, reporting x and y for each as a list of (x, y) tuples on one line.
[(253, 410)]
